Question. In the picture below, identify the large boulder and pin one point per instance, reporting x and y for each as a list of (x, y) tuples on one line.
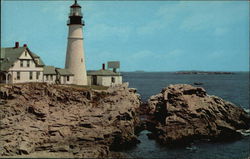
[(40, 118), (182, 113)]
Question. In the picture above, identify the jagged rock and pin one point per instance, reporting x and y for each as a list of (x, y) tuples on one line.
[(77, 122), (182, 113), (25, 147)]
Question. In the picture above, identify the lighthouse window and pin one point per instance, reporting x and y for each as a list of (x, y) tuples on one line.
[(75, 12)]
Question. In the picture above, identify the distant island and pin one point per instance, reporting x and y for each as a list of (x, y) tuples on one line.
[(203, 72), (139, 71)]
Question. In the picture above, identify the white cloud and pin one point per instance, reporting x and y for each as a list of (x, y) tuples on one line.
[(197, 22), (151, 27), (211, 15), (195, 16), (58, 9), (216, 54), (175, 52), (163, 17), (220, 31), (102, 31), (142, 54), (93, 10), (147, 54)]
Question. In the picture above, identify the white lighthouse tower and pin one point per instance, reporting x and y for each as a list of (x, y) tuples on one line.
[(75, 60)]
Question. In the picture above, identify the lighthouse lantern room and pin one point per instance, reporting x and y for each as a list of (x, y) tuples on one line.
[(75, 15)]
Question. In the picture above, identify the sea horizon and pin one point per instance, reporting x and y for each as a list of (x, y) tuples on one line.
[(182, 71)]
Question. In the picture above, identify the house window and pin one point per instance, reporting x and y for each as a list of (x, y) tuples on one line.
[(37, 75), (25, 53), (51, 77), (67, 78), (21, 63), (37, 61), (47, 77), (113, 79), (18, 75), (31, 75), (28, 63), (81, 60)]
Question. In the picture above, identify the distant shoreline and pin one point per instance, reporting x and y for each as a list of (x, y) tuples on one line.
[(203, 72), (189, 72)]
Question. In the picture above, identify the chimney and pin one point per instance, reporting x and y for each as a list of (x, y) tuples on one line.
[(103, 66), (24, 45), (17, 45)]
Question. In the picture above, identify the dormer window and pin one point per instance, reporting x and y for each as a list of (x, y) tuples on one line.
[(25, 53), (37, 61)]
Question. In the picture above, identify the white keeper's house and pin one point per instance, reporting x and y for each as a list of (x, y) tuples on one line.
[(20, 65)]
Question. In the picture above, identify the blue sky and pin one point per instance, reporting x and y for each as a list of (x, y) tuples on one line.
[(143, 35)]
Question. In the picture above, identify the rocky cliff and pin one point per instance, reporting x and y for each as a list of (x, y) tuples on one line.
[(77, 122), (183, 113)]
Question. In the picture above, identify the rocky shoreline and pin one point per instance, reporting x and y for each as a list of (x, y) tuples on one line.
[(183, 113), (41, 120)]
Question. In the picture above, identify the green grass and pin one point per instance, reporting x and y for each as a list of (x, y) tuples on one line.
[(95, 87)]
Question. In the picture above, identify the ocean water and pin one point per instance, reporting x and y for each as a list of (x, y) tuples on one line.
[(231, 87)]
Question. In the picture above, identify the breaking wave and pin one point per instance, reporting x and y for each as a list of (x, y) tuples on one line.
[(244, 132)]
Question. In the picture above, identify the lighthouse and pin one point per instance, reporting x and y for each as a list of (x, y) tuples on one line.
[(75, 58)]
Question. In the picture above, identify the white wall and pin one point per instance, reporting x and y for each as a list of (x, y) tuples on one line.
[(99, 80), (106, 80), (51, 78), (63, 80), (118, 79), (89, 80)]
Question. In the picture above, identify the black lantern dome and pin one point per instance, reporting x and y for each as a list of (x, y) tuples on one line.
[(75, 15)]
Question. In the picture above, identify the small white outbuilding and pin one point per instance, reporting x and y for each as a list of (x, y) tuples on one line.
[(104, 77)]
